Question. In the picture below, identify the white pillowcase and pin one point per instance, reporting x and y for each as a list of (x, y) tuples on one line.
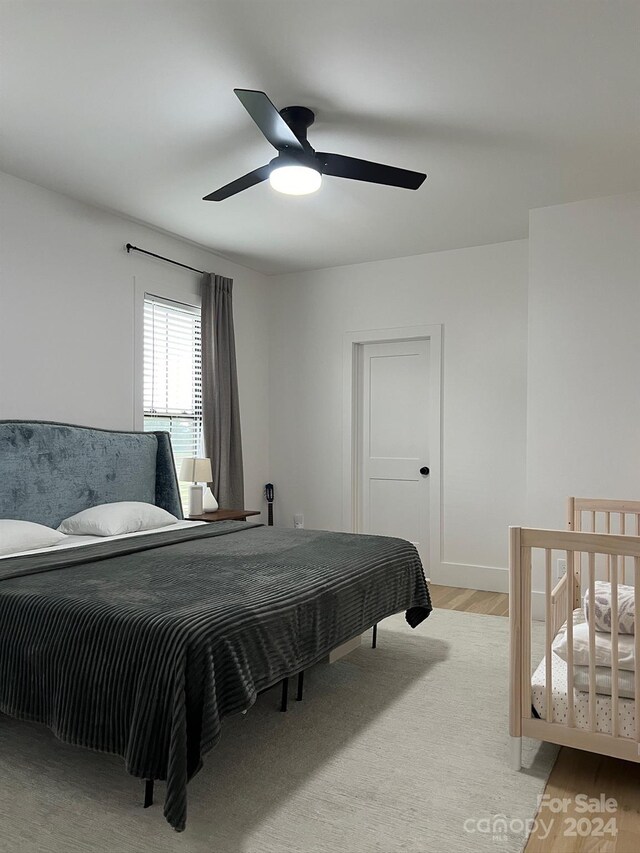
[(604, 648), (604, 681), (117, 518), (18, 536), (602, 611)]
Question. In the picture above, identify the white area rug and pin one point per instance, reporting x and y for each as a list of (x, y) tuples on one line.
[(401, 749)]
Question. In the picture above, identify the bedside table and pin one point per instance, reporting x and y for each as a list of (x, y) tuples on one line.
[(224, 515)]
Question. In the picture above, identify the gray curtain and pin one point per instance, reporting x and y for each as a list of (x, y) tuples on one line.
[(220, 407)]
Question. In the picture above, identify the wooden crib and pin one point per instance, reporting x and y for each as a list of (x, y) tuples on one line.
[(602, 542)]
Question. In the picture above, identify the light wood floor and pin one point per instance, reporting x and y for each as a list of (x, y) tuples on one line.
[(575, 772), (470, 600)]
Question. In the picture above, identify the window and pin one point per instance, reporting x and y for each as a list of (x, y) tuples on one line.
[(173, 376)]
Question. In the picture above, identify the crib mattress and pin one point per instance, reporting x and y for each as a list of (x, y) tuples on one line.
[(626, 709)]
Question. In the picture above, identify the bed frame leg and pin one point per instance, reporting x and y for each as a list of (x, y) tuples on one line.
[(300, 685), (148, 793), (285, 694), (374, 638), (516, 753)]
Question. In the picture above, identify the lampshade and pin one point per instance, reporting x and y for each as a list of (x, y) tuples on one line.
[(295, 179), (196, 470)]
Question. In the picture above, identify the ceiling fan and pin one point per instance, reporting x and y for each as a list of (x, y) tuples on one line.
[(298, 169)]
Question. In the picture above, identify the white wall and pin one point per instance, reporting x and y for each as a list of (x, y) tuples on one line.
[(564, 421), (584, 355), (480, 297), (67, 336)]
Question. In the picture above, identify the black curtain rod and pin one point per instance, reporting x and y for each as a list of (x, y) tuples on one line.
[(131, 248)]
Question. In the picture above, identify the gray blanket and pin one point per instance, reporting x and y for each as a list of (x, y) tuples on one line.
[(141, 647)]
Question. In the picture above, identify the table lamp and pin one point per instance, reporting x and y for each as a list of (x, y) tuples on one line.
[(197, 471)]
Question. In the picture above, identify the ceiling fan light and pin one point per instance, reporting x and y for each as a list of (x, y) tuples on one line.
[(295, 180)]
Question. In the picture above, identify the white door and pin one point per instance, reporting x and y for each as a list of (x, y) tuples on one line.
[(393, 494)]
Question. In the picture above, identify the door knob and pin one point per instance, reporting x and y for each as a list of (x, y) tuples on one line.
[(424, 471)]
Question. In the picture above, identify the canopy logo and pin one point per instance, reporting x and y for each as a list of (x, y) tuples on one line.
[(569, 817)]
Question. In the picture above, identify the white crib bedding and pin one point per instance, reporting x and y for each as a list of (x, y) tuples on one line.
[(626, 707), (604, 681)]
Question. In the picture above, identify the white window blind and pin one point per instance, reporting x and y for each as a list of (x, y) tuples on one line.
[(173, 376)]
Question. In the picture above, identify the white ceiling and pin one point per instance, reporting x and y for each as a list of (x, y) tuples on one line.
[(507, 105)]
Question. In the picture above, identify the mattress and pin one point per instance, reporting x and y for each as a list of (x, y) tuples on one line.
[(604, 703), (75, 541)]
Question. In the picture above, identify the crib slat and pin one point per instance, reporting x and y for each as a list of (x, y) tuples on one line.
[(549, 634), (592, 642), (577, 568), (607, 529), (520, 632), (614, 646), (623, 530), (570, 595), (636, 598), (593, 521), (525, 570)]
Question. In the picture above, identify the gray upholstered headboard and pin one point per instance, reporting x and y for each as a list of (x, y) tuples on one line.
[(49, 471)]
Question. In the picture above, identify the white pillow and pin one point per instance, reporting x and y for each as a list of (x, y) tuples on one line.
[(117, 518), (16, 536), (604, 681), (602, 608), (604, 648)]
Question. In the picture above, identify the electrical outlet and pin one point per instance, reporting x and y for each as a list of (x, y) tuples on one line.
[(561, 568), (298, 521)]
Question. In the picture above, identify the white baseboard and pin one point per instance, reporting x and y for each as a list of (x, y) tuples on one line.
[(488, 578)]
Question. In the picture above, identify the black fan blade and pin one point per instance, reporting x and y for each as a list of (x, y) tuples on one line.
[(364, 170), (243, 183), (268, 119)]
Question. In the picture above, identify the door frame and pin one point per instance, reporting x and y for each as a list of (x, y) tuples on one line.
[(353, 343)]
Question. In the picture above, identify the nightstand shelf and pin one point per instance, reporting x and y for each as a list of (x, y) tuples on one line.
[(225, 515)]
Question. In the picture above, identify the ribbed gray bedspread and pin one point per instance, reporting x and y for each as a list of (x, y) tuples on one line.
[(141, 647)]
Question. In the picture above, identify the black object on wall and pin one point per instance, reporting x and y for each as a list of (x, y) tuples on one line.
[(269, 495)]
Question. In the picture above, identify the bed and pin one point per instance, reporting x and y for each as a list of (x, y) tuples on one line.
[(583, 693), (141, 645)]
